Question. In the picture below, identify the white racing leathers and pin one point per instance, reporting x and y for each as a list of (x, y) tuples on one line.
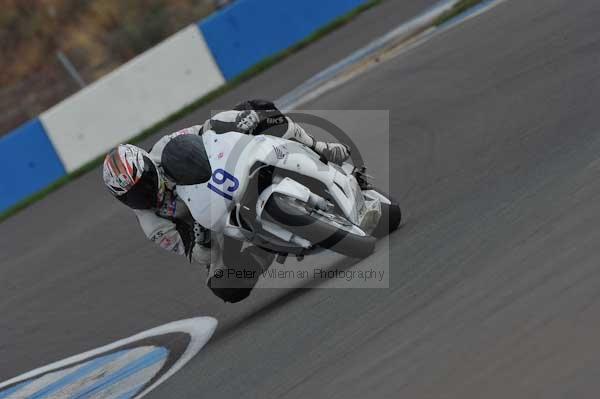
[(159, 224), (172, 227)]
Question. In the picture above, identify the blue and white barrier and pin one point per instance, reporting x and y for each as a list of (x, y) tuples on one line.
[(132, 98), (154, 85), (249, 31), (29, 163)]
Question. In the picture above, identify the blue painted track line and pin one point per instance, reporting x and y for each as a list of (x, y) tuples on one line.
[(77, 375), (10, 391), (155, 356)]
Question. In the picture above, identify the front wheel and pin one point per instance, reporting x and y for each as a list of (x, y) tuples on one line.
[(391, 217), (327, 230)]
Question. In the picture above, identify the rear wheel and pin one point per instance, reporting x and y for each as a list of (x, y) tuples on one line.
[(327, 230)]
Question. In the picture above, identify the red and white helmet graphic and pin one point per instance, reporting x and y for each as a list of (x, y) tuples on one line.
[(123, 168)]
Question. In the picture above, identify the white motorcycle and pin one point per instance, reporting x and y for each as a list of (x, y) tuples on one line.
[(281, 196)]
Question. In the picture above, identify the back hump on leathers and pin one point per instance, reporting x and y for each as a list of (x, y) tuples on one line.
[(185, 161)]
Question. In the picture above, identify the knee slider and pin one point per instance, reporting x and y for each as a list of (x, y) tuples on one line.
[(229, 294)]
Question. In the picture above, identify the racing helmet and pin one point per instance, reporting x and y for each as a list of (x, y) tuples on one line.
[(132, 177)]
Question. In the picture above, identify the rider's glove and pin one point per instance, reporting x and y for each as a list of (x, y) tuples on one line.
[(201, 249), (196, 240), (337, 153), (247, 121)]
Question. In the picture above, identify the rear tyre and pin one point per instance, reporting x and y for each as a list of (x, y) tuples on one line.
[(322, 229)]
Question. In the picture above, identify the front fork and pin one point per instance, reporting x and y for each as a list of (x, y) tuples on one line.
[(292, 189)]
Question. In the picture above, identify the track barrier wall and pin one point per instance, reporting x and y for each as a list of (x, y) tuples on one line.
[(29, 161), (183, 68)]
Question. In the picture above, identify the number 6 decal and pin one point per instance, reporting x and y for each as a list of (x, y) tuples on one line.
[(220, 177)]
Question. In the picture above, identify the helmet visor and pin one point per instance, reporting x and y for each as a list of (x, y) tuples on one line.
[(144, 193)]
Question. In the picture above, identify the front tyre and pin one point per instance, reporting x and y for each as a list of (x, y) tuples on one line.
[(391, 217), (324, 229)]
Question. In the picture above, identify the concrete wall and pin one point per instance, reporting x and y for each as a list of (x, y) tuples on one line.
[(147, 89)]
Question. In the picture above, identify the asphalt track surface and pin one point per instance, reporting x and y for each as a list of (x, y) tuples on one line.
[(495, 286)]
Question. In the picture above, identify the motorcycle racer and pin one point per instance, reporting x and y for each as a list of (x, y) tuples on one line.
[(147, 183)]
